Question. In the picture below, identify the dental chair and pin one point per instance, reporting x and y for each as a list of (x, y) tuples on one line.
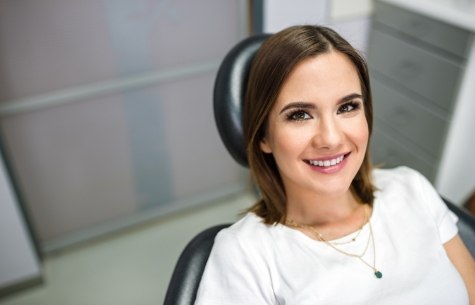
[(229, 91)]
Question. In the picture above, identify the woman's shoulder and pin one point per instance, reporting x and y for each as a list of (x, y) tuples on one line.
[(406, 187), (248, 235), (403, 189), (401, 176), (403, 184), (248, 228)]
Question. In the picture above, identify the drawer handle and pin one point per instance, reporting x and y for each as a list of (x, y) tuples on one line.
[(392, 157), (408, 70), (402, 116), (418, 28)]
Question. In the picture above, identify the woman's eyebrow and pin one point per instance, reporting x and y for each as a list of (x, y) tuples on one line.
[(299, 105), (307, 105), (350, 97)]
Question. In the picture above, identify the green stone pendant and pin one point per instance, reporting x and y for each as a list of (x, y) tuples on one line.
[(378, 274)]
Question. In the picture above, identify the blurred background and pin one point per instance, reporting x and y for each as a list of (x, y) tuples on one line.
[(110, 161)]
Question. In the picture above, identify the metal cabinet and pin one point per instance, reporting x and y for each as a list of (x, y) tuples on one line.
[(416, 66)]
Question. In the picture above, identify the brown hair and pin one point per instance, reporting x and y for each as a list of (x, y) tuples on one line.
[(274, 61)]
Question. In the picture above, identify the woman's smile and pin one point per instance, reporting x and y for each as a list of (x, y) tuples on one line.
[(326, 162), (330, 165)]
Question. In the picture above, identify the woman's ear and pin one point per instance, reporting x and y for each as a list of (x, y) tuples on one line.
[(265, 147)]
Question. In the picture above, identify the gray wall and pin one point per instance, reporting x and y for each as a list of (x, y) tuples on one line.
[(106, 109)]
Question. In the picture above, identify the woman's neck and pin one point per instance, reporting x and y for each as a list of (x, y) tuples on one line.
[(334, 216)]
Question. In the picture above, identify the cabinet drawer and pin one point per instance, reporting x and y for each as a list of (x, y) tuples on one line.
[(409, 118), (429, 75), (388, 152), (444, 36)]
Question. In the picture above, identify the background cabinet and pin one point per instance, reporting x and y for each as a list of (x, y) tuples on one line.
[(417, 65)]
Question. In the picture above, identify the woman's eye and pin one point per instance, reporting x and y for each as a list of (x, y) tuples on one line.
[(298, 115), (349, 107)]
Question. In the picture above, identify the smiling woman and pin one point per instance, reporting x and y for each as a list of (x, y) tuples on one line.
[(316, 75), (329, 229), (305, 138)]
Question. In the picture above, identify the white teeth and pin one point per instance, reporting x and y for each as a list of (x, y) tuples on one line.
[(326, 163)]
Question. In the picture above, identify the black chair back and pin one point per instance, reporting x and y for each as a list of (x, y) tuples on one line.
[(229, 90), (189, 268)]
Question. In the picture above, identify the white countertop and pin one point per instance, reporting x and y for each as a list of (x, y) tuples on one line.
[(460, 13)]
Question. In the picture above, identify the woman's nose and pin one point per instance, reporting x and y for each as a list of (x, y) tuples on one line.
[(328, 134)]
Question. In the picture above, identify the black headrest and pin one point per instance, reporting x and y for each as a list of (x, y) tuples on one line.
[(229, 91)]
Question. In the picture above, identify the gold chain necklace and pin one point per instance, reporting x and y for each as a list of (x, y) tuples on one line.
[(377, 273), (353, 239)]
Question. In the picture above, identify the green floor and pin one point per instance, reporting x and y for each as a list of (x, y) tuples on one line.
[(133, 267)]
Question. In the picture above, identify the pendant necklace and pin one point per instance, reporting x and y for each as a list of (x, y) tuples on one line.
[(377, 273)]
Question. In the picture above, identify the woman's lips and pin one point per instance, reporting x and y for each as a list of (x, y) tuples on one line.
[(328, 165), (327, 162)]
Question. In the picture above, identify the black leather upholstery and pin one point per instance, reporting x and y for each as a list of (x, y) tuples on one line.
[(229, 90), (189, 268)]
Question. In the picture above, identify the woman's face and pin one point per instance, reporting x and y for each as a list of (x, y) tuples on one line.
[(317, 129)]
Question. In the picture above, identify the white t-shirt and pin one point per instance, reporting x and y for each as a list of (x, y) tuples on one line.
[(252, 263)]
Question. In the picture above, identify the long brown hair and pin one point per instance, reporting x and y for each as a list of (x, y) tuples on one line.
[(274, 61)]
